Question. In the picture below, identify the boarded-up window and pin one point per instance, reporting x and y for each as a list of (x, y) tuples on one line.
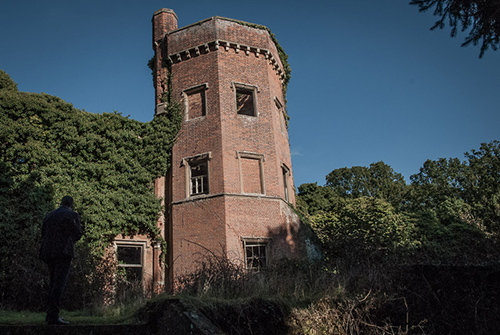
[(195, 102), (251, 175)]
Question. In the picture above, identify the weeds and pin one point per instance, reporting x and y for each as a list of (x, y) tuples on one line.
[(346, 298), (306, 298)]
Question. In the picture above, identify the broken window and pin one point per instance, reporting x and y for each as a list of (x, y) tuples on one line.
[(246, 100), (199, 178), (255, 254), (197, 174)]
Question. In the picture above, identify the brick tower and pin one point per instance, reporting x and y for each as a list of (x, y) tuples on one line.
[(230, 186)]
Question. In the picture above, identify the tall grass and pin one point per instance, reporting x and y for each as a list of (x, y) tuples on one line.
[(309, 298)]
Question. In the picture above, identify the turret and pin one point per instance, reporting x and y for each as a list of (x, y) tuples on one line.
[(164, 21)]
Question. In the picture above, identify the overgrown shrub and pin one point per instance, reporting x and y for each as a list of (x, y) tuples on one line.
[(364, 228), (106, 162)]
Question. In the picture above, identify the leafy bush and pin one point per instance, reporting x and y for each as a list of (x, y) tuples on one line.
[(364, 228)]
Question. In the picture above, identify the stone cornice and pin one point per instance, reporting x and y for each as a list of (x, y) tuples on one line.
[(226, 45), (217, 195)]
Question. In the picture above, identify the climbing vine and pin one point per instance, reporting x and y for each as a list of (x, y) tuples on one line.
[(107, 162)]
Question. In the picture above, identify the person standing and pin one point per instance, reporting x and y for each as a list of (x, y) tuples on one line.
[(60, 230)]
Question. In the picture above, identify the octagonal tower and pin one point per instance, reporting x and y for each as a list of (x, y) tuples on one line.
[(230, 188)]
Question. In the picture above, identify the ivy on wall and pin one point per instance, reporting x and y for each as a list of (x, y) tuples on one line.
[(106, 162)]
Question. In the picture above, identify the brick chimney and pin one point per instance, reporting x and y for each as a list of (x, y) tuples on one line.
[(164, 21)]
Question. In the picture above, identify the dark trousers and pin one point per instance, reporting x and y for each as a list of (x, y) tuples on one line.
[(59, 271)]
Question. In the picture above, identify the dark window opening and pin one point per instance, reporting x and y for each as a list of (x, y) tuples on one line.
[(245, 102), (130, 261), (285, 181), (255, 255)]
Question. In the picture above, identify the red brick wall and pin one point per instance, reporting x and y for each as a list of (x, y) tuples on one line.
[(199, 231), (251, 175), (221, 53)]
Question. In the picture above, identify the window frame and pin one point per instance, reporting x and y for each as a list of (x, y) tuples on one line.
[(250, 242), (131, 244), (193, 90), (198, 184), (252, 89), (189, 163), (281, 116), (286, 181), (261, 159)]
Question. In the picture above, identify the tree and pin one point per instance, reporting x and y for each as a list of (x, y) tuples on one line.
[(482, 17), (437, 182), (461, 191), (377, 181), (364, 229), (482, 188), (6, 83), (449, 214), (313, 198)]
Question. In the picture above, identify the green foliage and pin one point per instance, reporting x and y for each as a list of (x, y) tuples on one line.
[(378, 181), (437, 181), (159, 136), (6, 83), (449, 214), (106, 162), (364, 228), (482, 187), (472, 185), (313, 199), (481, 17)]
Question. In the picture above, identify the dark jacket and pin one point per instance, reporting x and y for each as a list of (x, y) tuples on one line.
[(61, 229)]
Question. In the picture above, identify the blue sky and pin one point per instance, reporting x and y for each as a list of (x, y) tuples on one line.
[(370, 81)]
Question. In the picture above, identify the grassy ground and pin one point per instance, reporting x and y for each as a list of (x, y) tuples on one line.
[(75, 317)]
